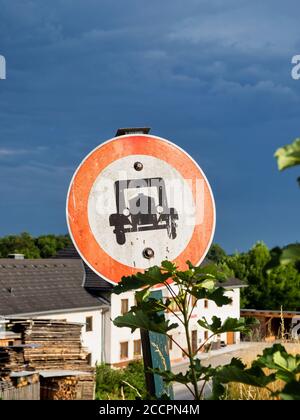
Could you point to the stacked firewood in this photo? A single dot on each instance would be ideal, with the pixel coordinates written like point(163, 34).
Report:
point(68, 388)
point(11, 359)
point(22, 381)
point(52, 345)
point(59, 388)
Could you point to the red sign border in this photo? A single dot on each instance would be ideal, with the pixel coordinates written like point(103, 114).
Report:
point(84, 177)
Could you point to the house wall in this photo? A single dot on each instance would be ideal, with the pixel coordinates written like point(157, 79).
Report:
point(91, 340)
point(115, 336)
point(105, 346)
point(119, 335)
point(200, 311)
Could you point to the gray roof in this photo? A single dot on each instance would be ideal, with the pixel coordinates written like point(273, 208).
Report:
point(95, 283)
point(44, 286)
point(92, 281)
point(54, 373)
point(232, 283)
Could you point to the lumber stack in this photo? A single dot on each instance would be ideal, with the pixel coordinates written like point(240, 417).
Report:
point(52, 345)
point(11, 360)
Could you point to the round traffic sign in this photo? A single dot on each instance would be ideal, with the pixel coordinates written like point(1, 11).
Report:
point(137, 200)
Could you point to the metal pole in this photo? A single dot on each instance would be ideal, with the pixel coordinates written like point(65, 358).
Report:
point(155, 346)
point(156, 355)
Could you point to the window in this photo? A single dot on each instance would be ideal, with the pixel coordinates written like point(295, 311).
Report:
point(194, 341)
point(124, 350)
point(205, 335)
point(124, 306)
point(89, 359)
point(205, 303)
point(194, 301)
point(137, 348)
point(170, 342)
point(89, 323)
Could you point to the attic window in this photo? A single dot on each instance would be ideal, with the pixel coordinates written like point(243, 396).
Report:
point(89, 324)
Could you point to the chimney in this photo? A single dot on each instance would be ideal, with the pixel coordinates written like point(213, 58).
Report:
point(16, 256)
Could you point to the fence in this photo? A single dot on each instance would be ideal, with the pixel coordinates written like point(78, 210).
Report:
point(29, 392)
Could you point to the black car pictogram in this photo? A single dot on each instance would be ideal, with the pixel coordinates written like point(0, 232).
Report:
point(141, 212)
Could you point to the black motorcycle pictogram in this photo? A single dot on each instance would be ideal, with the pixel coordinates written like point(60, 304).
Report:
point(141, 213)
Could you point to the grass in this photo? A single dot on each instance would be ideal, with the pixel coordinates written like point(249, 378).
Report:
point(236, 391)
point(121, 384)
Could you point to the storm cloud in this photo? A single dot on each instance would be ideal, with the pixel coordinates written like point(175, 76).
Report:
point(212, 76)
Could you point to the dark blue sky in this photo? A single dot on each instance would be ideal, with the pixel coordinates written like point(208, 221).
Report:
point(212, 76)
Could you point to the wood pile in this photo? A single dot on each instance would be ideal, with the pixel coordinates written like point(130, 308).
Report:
point(52, 345)
point(68, 388)
point(11, 360)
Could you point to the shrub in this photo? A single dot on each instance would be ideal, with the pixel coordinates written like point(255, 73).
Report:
point(120, 384)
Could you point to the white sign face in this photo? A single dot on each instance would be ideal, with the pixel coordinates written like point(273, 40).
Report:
point(130, 211)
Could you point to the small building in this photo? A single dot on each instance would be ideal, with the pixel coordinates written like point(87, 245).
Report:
point(123, 346)
point(274, 325)
point(53, 289)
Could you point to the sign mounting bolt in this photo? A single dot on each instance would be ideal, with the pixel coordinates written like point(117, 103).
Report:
point(138, 166)
point(148, 253)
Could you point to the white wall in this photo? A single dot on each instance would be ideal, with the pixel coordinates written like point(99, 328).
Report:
point(119, 335)
point(199, 312)
point(92, 339)
point(114, 335)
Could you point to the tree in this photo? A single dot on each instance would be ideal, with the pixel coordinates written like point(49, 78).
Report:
point(41, 247)
point(216, 254)
point(19, 244)
point(250, 268)
point(269, 285)
point(50, 244)
point(287, 157)
point(197, 283)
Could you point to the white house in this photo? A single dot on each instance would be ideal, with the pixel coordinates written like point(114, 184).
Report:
point(121, 345)
point(53, 289)
point(65, 288)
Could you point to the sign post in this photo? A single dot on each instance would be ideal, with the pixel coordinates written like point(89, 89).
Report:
point(133, 202)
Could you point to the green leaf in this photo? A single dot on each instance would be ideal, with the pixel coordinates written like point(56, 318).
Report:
point(276, 357)
point(140, 319)
point(169, 266)
point(291, 391)
point(169, 377)
point(229, 325)
point(213, 327)
point(237, 373)
point(216, 295)
point(288, 155)
point(152, 277)
point(218, 390)
point(208, 284)
point(280, 361)
point(142, 295)
point(202, 372)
